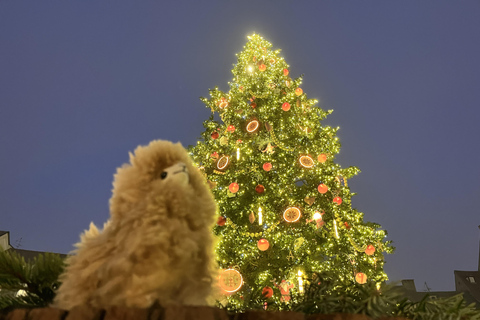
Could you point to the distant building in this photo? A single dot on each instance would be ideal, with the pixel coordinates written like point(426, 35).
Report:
point(466, 282)
point(28, 255)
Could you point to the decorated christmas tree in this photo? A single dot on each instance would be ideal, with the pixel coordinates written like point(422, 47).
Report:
point(285, 214)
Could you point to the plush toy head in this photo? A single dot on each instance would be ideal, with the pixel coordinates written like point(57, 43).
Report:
point(161, 168)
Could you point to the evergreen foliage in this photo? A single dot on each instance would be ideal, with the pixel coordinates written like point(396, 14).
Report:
point(26, 284)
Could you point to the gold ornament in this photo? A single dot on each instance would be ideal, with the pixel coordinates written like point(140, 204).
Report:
point(290, 256)
point(269, 149)
point(309, 200)
point(251, 217)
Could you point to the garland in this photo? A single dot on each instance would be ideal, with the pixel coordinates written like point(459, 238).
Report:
point(251, 234)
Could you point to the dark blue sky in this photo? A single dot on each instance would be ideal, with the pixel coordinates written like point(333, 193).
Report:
point(82, 83)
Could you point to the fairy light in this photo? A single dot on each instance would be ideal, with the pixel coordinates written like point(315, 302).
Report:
point(238, 153)
point(260, 216)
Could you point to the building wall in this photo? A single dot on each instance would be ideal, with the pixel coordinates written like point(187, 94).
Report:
point(5, 241)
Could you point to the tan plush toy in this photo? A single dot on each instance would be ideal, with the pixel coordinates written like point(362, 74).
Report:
point(157, 244)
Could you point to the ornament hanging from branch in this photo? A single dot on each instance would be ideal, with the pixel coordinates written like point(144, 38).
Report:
point(361, 278)
point(253, 126)
point(221, 221)
point(322, 157)
point(223, 163)
point(306, 161)
point(230, 280)
point(263, 244)
point(370, 250)
point(223, 103)
point(309, 200)
point(337, 200)
point(322, 188)
point(233, 187)
point(269, 149)
point(285, 287)
point(251, 217)
point(260, 189)
point(267, 166)
point(292, 214)
point(267, 292)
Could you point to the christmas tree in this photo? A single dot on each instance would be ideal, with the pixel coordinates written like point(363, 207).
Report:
point(285, 211)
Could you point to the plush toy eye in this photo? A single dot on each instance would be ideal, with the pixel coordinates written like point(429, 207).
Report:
point(163, 175)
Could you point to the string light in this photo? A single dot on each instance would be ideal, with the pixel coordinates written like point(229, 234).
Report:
point(260, 216)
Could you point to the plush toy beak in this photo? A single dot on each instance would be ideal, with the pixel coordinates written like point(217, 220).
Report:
point(180, 172)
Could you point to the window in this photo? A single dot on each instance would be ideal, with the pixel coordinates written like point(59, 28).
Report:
point(471, 279)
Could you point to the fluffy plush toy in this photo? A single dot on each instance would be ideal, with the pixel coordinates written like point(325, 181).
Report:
point(157, 244)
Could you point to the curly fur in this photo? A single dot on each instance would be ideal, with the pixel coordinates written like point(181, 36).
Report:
point(157, 244)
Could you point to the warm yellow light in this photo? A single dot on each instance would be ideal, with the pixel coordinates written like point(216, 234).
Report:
point(300, 281)
point(260, 216)
point(317, 216)
point(250, 69)
point(238, 153)
point(336, 229)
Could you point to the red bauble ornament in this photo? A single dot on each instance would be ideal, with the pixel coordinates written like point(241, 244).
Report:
point(253, 105)
point(285, 72)
point(214, 135)
point(267, 292)
point(262, 67)
point(286, 106)
point(214, 155)
point(221, 221)
point(231, 128)
point(267, 166)
point(260, 189)
point(298, 91)
point(337, 200)
point(322, 158)
point(347, 226)
point(263, 244)
point(322, 188)
point(370, 250)
point(233, 187)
